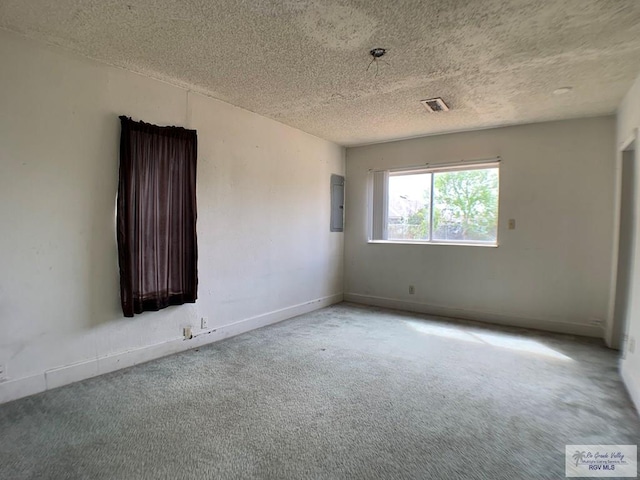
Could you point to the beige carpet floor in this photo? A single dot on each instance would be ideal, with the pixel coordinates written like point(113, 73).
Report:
point(347, 392)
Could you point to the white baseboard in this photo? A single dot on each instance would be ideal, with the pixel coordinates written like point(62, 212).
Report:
point(633, 387)
point(57, 377)
point(487, 317)
point(22, 387)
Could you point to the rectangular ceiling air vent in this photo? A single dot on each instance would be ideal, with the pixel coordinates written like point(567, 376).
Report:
point(434, 105)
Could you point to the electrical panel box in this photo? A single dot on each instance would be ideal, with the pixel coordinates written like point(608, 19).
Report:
point(337, 203)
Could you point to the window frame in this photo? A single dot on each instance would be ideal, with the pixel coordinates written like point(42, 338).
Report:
point(378, 201)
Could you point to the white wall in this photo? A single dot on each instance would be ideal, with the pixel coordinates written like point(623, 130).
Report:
point(265, 250)
point(628, 125)
point(628, 114)
point(552, 272)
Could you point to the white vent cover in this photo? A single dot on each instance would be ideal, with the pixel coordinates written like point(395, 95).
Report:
point(434, 105)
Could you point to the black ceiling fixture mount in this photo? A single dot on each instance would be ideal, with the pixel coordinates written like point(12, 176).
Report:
point(376, 55)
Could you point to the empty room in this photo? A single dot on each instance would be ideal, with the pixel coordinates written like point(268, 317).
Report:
point(303, 239)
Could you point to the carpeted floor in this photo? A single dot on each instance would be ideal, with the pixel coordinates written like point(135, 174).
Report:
point(347, 392)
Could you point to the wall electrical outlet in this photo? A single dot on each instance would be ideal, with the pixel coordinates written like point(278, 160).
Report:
point(204, 323)
point(512, 224)
point(412, 290)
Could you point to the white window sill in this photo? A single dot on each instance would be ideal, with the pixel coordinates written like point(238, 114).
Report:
point(450, 244)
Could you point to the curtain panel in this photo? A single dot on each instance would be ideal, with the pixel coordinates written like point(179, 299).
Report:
point(156, 217)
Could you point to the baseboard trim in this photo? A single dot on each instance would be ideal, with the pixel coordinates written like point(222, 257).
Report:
point(630, 383)
point(57, 377)
point(486, 317)
point(22, 387)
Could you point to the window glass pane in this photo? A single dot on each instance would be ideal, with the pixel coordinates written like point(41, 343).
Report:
point(465, 205)
point(408, 213)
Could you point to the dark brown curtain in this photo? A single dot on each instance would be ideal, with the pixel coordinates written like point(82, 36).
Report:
point(156, 217)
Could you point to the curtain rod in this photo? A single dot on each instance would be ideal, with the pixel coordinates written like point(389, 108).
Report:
point(426, 166)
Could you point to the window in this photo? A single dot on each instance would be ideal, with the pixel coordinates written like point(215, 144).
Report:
point(156, 217)
point(444, 204)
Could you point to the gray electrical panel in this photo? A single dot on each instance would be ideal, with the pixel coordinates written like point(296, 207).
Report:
point(337, 203)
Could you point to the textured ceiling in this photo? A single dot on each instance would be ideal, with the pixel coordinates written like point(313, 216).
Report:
point(304, 62)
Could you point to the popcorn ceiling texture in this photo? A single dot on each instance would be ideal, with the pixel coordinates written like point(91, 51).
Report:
point(304, 63)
